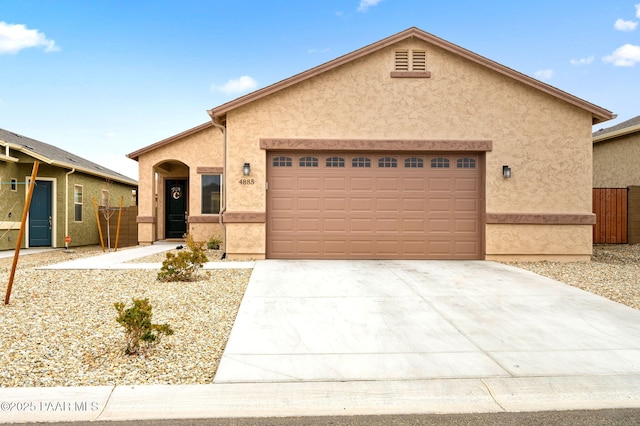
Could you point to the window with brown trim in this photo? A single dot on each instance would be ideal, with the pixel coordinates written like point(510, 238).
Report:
point(282, 161)
point(440, 163)
point(335, 162)
point(308, 161)
point(388, 162)
point(361, 162)
point(466, 163)
point(413, 163)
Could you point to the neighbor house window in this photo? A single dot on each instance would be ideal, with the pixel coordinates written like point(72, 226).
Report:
point(104, 201)
point(211, 190)
point(77, 203)
point(14, 184)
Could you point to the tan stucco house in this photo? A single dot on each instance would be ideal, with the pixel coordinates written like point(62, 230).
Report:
point(409, 148)
point(616, 155)
point(61, 213)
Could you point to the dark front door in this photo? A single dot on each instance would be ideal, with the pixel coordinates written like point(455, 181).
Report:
point(176, 208)
point(40, 219)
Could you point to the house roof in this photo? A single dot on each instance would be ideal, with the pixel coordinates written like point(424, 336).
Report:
point(50, 154)
point(626, 127)
point(136, 154)
point(598, 114)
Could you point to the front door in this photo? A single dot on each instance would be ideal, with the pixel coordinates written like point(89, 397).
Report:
point(40, 219)
point(176, 208)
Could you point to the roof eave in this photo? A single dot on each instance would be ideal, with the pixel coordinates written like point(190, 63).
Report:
point(616, 133)
point(136, 154)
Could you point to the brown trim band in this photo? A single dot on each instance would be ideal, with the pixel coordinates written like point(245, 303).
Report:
point(374, 145)
point(410, 74)
point(541, 218)
point(212, 170)
point(145, 219)
point(214, 218)
point(244, 217)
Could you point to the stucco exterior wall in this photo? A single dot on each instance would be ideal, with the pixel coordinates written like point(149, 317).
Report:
point(615, 162)
point(179, 159)
point(546, 142)
point(82, 233)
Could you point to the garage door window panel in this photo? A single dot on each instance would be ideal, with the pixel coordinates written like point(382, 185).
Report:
point(387, 162)
point(361, 162)
point(308, 161)
point(466, 163)
point(335, 162)
point(440, 163)
point(282, 161)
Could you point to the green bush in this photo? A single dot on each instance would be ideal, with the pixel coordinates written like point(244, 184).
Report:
point(186, 264)
point(138, 328)
point(214, 243)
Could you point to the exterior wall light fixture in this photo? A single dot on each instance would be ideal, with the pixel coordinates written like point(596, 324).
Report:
point(506, 172)
point(246, 169)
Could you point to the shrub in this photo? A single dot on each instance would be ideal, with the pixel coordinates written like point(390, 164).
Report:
point(185, 265)
point(214, 243)
point(138, 328)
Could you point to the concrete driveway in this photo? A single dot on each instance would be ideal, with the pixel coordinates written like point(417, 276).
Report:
point(325, 321)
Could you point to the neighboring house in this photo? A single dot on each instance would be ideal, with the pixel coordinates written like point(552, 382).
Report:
point(616, 155)
point(616, 183)
point(398, 150)
point(62, 202)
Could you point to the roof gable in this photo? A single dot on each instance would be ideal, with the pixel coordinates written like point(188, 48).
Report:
point(598, 114)
point(58, 157)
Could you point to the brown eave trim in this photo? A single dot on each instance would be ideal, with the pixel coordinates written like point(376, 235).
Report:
point(214, 218)
point(541, 218)
point(374, 145)
point(599, 114)
point(136, 154)
point(145, 219)
point(244, 217)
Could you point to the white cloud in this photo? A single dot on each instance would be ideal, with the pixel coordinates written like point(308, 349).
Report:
point(544, 74)
point(583, 61)
point(313, 51)
point(623, 25)
point(15, 37)
point(365, 4)
point(237, 85)
point(624, 56)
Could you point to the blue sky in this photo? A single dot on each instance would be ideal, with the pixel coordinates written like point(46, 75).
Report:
point(102, 78)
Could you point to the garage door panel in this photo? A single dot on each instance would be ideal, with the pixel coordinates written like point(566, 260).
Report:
point(374, 212)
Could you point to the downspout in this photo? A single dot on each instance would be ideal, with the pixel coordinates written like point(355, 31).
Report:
point(66, 207)
point(223, 204)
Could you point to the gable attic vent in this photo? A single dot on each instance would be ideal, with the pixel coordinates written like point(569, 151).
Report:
point(419, 61)
point(402, 60)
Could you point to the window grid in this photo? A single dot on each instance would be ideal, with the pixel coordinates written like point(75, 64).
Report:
point(308, 161)
point(77, 203)
point(388, 162)
point(361, 162)
point(466, 163)
point(282, 161)
point(413, 163)
point(439, 163)
point(335, 162)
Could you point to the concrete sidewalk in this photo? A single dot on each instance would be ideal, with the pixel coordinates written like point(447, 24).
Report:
point(388, 337)
point(118, 259)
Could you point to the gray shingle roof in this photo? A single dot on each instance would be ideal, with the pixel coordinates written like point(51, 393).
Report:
point(60, 157)
point(635, 121)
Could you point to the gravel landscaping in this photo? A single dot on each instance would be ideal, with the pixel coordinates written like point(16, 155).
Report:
point(60, 328)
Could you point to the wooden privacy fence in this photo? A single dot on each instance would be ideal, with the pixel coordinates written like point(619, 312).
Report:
point(610, 208)
point(128, 228)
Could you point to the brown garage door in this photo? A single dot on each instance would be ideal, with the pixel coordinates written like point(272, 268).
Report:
point(373, 206)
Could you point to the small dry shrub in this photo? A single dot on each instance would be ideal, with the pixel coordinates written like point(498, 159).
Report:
point(138, 329)
point(185, 265)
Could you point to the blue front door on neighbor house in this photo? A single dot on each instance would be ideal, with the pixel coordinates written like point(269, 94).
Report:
point(40, 219)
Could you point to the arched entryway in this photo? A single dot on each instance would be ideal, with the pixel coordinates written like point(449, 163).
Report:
point(172, 180)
